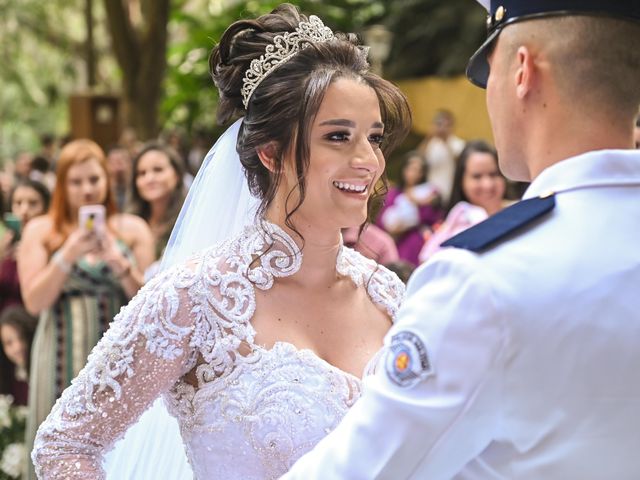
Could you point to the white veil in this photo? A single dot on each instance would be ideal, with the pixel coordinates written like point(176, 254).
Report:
point(217, 206)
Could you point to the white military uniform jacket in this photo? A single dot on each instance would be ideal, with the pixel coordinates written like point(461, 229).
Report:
point(525, 358)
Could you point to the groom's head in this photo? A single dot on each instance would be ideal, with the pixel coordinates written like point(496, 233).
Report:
point(553, 58)
point(504, 13)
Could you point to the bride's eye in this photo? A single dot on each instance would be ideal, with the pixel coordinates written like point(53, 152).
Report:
point(338, 136)
point(376, 138)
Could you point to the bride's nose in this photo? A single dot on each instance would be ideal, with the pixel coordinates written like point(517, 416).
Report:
point(366, 157)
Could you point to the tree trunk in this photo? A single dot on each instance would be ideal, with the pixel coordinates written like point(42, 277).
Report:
point(141, 54)
point(90, 48)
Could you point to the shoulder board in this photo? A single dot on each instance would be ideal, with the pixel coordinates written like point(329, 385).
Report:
point(498, 226)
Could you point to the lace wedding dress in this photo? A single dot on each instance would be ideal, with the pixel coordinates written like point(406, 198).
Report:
point(250, 412)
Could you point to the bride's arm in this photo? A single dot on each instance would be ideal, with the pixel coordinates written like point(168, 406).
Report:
point(141, 356)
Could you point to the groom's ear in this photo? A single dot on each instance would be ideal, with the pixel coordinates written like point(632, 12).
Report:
point(268, 155)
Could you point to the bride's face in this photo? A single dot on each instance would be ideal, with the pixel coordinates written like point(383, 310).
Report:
point(345, 157)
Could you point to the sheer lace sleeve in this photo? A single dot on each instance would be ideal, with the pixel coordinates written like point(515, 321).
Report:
point(146, 349)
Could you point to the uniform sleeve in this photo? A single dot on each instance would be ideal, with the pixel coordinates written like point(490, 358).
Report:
point(144, 352)
point(434, 402)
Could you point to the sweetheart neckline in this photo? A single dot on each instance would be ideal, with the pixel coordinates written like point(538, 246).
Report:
point(310, 353)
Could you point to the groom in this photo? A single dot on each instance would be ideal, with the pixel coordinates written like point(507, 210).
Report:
point(516, 355)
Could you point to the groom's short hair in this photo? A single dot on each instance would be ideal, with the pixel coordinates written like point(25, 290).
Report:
point(593, 58)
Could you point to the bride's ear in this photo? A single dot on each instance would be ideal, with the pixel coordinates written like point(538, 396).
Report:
point(268, 155)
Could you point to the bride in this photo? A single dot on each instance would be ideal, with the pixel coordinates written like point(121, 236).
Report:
point(258, 343)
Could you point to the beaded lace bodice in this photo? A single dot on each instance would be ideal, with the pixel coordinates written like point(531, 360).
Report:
point(250, 412)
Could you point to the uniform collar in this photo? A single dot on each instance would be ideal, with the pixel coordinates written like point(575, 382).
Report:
point(593, 169)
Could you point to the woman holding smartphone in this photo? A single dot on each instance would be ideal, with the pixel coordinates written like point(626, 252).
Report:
point(76, 276)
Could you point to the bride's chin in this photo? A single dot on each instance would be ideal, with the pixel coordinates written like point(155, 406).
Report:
point(353, 220)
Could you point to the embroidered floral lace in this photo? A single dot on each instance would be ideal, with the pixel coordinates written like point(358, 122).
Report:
point(251, 415)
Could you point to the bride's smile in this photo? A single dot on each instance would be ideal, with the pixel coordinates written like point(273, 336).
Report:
point(345, 161)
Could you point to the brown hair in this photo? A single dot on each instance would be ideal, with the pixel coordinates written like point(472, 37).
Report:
point(408, 157)
point(473, 146)
point(34, 185)
point(74, 153)
point(25, 324)
point(139, 206)
point(283, 106)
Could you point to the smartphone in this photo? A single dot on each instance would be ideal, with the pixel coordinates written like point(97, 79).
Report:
point(13, 223)
point(93, 218)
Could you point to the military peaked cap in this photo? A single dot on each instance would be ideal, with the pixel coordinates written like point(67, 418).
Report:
point(506, 12)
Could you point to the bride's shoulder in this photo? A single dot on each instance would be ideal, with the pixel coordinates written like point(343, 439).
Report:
point(205, 273)
point(371, 270)
point(228, 256)
point(384, 286)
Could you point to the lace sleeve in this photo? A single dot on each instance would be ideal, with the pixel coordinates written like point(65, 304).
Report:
point(144, 352)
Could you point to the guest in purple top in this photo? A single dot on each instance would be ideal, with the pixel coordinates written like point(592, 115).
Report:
point(411, 208)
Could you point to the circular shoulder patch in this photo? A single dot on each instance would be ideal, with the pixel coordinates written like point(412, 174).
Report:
point(407, 361)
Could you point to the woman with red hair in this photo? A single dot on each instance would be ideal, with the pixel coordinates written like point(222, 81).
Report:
point(75, 277)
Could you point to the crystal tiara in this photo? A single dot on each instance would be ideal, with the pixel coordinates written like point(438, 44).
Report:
point(281, 50)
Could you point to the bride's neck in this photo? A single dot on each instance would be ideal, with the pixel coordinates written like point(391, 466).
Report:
point(320, 249)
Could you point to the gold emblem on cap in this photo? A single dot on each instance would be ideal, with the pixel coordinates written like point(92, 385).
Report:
point(500, 13)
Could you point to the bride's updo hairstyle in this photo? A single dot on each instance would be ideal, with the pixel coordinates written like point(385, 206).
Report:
point(283, 106)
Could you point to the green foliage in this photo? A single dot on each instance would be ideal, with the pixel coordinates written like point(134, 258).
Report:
point(41, 64)
point(42, 54)
point(33, 72)
point(432, 37)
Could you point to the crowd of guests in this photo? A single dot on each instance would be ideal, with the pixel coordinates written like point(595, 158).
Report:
point(61, 283)
point(445, 186)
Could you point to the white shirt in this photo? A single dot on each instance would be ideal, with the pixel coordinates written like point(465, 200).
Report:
point(441, 156)
point(534, 350)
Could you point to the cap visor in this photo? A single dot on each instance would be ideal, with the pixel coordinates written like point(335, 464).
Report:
point(478, 66)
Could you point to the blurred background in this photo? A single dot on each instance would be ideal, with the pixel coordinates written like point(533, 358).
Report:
point(100, 68)
point(115, 96)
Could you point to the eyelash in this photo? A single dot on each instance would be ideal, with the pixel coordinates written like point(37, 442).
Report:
point(376, 138)
point(379, 138)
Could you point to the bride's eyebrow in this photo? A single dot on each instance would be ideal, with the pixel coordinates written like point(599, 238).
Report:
point(343, 122)
point(340, 122)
